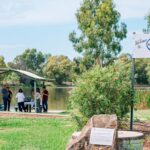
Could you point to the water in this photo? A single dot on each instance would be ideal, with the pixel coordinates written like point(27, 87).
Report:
point(58, 97)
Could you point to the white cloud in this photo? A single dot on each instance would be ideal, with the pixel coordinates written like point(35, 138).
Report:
point(133, 8)
point(14, 12)
point(28, 12)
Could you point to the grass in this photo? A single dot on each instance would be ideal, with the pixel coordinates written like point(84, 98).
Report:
point(142, 115)
point(41, 134)
point(142, 98)
point(34, 134)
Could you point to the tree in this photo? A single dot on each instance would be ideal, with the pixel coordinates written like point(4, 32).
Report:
point(101, 30)
point(104, 90)
point(2, 62)
point(148, 21)
point(30, 60)
point(59, 68)
point(11, 78)
point(142, 67)
point(2, 65)
point(82, 64)
point(141, 75)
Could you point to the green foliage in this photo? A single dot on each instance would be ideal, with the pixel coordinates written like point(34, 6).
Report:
point(30, 60)
point(11, 78)
point(142, 68)
point(101, 91)
point(82, 64)
point(142, 98)
point(101, 30)
point(148, 21)
point(148, 102)
point(141, 73)
point(2, 65)
point(59, 68)
point(2, 62)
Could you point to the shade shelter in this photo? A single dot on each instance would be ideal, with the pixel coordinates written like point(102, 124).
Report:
point(27, 75)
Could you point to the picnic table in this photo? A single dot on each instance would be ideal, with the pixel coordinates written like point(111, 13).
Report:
point(29, 105)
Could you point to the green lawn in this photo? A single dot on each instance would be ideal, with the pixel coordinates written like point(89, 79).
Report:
point(142, 114)
point(41, 134)
point(34, 134)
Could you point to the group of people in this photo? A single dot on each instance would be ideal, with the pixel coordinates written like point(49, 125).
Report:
point(41, 99)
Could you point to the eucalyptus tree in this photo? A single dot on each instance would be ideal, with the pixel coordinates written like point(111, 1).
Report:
point(100, 30)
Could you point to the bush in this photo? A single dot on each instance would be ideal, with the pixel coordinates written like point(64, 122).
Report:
point(101, 91)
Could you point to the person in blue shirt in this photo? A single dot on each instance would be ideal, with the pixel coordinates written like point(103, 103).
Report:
point(5, 96)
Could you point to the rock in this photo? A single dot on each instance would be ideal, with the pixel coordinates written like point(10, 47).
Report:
point(80, 141)
point(75, 135)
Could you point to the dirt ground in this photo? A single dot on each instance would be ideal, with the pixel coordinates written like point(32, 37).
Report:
point(29, 115)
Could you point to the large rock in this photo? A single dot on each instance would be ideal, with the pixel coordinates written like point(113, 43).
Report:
point(80, 141)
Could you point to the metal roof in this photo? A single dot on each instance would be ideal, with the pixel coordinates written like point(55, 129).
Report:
point(25, 73)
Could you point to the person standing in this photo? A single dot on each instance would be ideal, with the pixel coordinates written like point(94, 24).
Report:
point(9, 97)
point(38, 100)
point(20, 99)
point(45, 99)
point(5, 97)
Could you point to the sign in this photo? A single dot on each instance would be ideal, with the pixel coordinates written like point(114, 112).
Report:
point(102, 136)
point(141, 46)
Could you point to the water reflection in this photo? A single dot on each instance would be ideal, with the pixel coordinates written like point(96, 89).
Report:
point(58, 97)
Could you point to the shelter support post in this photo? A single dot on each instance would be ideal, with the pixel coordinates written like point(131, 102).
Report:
point(132, 100)
point(35, 96)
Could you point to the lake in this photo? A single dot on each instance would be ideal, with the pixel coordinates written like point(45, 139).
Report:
point(58, 97)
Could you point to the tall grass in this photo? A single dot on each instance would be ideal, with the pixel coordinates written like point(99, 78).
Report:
point(142, 99)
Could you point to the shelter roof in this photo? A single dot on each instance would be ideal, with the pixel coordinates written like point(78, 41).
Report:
point(26, 74)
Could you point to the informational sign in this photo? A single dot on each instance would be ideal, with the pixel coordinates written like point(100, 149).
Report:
point(102, 136)
point(141, 46)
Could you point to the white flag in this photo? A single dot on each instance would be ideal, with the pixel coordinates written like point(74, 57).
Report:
point(141, 46)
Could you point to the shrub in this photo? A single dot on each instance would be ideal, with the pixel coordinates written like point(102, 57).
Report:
point(101, 91)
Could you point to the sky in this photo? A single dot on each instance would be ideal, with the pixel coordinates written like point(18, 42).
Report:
point(46, 24)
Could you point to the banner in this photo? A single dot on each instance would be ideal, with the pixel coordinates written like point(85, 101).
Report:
point(141, 46)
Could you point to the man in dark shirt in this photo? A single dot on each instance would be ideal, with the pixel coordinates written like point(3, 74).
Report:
point(9, 97)
point(5, 96)
point(45, 99)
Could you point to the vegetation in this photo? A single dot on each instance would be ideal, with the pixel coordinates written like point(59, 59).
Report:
point(142, 68)
point(142, 99)
point(27, 134)
point(101, 91)
point(101, 30)
point(142, 115)
point(2, 65)
point(62, 69)
point(30, 60)
point(148, 21)
point(11, 78)
point(59, 68)
point(2, 62)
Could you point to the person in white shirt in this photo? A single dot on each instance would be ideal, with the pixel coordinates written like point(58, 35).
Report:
point(38, 100)
point(20, 99)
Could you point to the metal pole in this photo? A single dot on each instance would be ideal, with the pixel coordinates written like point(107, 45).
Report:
point(35, 96)
point(132, 101)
